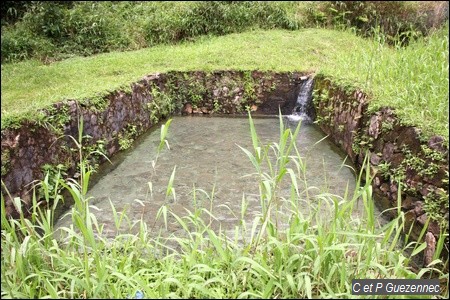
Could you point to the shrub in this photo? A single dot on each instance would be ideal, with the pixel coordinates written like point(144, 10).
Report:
point(57, 30)
point(19, 43)
point(399, 20)
point(91, 28)
point(183, 22)
point(12, 11)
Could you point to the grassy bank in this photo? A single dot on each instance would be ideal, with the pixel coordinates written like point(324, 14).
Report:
point(313, 257)
point(38, 85)
point(414, 80)
point(404, 78)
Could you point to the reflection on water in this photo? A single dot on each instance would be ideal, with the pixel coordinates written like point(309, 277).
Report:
point(208, 162)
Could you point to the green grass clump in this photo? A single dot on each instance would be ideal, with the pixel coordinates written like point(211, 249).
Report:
point(315, 256)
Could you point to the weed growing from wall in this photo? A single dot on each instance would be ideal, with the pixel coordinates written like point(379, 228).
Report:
point(56, 118)
point(161, 104)
point(127, 136)
point(249, 90)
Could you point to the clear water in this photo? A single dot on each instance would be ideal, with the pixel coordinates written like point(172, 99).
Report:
point(206, 155)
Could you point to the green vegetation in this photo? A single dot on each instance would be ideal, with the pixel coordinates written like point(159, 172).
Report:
point(79, 78)
point(400, 21)
point(402, 62)
point(162, 105)
point(56, 30)
point(313, 257)
point(127, 137)
point(404, 78)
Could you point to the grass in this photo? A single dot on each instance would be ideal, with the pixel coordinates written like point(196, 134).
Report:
point(403, 78)
point(83, 77)
point(406, 78)
point(313, 257)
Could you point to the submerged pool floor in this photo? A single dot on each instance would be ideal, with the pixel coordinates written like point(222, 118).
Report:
point(205, 154)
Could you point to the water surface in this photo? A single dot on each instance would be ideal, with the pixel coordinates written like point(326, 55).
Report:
point(205, 153)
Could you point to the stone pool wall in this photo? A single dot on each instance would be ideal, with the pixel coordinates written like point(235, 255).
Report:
point(111, 122)
point(396, 153)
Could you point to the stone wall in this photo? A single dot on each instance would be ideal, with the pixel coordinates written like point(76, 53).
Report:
point(398, 154)
point(111, 122)
point(339, 113)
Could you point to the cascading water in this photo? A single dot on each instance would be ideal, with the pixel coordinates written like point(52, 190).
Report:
point(304, 109)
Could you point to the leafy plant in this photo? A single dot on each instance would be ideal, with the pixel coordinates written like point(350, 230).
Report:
point(161, 105)
point(50, 187)
point(127, 137)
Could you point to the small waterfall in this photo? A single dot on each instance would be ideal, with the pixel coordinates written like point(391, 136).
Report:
point(304, 108)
